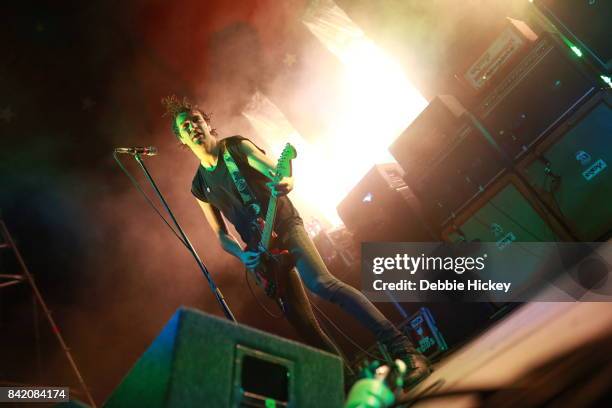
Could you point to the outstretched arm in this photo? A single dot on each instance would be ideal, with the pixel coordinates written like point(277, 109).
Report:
point(228, 242)
point(267, 167)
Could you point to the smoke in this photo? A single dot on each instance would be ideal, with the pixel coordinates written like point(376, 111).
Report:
point(142, 272)
point(128, 273)
point(433, 38)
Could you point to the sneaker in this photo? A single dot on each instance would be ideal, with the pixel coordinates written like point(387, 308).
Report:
point(418, 366)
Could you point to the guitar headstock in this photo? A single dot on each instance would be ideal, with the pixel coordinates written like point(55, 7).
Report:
point(283, 167)
point(288, 153)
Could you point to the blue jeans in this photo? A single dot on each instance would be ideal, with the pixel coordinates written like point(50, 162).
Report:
point(322, 283)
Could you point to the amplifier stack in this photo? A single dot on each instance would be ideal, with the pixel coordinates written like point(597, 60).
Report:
point(537, 95)
point(447, 159)
point(530, 158)
point(571, 170)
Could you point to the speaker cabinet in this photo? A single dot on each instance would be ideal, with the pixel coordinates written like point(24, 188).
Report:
point(459, 176)
point(586, 22)
point(535, 97)
point(572, 169)
point(428, 136)
point(447, 160)
point(203, 361)
point(382, 208)
point(506, 212)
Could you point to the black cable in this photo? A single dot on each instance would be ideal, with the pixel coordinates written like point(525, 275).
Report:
point(339, 330)
point(558, 218)
point(552, 187)
point(150, 202)
point(246, 278)
point(135, 183)
point(183, 237)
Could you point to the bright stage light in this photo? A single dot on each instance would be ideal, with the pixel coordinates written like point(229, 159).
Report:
point(273, 126)
point(376, 105)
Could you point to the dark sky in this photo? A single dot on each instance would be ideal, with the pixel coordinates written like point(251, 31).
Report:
point(79, 78)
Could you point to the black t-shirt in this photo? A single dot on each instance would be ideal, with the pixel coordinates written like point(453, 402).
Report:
point(217, 188)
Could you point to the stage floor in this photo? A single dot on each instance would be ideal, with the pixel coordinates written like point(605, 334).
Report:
point(532, 334)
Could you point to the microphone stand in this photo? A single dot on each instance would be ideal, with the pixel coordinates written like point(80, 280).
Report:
point(217, 292)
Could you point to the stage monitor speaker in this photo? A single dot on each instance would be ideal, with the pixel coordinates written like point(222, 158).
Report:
point(203, 361)
point(572, 169)
point(586, 22)
point(382, 208)
point(537, 95)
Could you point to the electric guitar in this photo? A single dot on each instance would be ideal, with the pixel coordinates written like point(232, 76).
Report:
point(274, 262)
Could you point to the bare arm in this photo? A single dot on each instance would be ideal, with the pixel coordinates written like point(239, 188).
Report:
point(228, 242)
point(265, 166)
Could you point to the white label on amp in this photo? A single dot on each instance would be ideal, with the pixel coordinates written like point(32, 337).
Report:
point(594, 170)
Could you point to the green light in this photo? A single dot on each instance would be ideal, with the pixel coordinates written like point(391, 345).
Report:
point(607, 80)
point(572, 47)
point(270, 403)
point(576, 50)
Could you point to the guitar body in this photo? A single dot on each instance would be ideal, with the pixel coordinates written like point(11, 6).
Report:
point(271, 273)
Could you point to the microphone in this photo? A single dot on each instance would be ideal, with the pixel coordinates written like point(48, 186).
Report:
point(144, 151)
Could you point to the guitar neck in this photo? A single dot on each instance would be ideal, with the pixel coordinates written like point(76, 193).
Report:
point(267, 232)
point(283, 169)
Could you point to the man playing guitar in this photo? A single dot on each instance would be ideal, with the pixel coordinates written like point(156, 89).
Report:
point(215, 189)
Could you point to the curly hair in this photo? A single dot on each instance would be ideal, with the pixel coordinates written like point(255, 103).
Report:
point(175, 106)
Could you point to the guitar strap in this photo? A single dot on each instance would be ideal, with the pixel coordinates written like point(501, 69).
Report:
point(241, 184)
